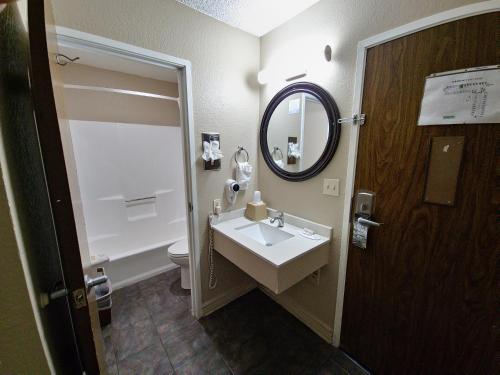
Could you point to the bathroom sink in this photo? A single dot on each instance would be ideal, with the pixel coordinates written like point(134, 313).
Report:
point(276, 257)
point(264, 234)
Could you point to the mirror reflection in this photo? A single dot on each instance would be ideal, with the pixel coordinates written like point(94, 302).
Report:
point(297, 133)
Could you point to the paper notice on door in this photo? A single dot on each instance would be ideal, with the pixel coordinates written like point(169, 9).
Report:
point(462, 97)
point(359, 235)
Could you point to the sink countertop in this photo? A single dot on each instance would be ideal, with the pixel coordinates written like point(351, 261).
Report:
point(282, 252)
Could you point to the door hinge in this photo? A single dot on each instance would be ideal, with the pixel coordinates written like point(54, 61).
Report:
point(79, 298)
point(355, 119)
point(190, 207)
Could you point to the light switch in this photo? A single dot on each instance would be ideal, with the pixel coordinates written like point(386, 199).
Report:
point(331, 186)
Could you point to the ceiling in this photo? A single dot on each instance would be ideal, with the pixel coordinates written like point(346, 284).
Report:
point(256, 17)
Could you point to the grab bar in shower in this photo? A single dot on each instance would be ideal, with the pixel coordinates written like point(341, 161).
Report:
point(140, 199)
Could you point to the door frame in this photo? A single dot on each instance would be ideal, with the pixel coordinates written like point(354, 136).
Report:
point(362, 48)
point(107, 46)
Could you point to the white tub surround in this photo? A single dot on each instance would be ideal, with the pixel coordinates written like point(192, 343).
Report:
point(133, 195)
point(275, 257)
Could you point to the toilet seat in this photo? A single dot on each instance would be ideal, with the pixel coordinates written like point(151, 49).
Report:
point(179, 249)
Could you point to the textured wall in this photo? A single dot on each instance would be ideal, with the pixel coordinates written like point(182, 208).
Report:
point(225, 100)
point(300, 43)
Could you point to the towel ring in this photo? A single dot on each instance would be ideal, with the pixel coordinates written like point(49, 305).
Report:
point(237, 153)
point(276, 149)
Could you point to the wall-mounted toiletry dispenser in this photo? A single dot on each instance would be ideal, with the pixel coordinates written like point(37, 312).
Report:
point(212, 154)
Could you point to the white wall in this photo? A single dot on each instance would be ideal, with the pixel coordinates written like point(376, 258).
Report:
point(299, 43)
point(226, 98)
point(120, 162)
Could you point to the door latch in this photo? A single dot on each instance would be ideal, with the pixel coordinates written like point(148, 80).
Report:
point(79, 298)
point(363, 210)
point(46, 298)
point(355, 120)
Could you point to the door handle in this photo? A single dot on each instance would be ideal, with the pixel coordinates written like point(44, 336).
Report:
point(369, 223)
point(91, 282)
point(364, 207)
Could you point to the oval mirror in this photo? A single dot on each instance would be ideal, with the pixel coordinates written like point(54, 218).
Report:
point(299, 133)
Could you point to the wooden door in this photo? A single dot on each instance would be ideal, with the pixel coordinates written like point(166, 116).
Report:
point(423, 298)
point(69, 163)
point(27, 179)
point(35, 161)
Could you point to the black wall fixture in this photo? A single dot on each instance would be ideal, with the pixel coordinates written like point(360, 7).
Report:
point(332, 142)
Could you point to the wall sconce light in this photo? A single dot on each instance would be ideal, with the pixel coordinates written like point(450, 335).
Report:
point(292, 76)
point(263, 77)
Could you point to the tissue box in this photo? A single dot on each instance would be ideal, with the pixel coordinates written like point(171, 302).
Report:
point(256, 211)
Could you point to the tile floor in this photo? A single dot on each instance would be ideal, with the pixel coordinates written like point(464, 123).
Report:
point(153, 332)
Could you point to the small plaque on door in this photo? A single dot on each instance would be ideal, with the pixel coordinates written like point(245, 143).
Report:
point(443, 169)
point(359, 235)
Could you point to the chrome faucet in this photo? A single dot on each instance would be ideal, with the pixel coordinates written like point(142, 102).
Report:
point(280, 216)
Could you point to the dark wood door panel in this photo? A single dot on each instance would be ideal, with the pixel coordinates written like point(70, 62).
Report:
point(61, 214)
point(421, 298)
point(18, 128)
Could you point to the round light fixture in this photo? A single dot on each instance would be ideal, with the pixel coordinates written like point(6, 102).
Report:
point(263, 77)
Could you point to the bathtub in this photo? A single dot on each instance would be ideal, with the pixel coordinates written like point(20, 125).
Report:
point(131, 181)
point(135, 255)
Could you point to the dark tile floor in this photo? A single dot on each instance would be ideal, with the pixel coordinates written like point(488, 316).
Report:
point(153, 332)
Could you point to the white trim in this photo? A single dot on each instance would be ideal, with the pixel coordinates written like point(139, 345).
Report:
point(92, 42)
point(431, 21)
point(143, 276)
point(363, 46)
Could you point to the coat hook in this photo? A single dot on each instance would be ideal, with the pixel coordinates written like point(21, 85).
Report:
point(63, 63)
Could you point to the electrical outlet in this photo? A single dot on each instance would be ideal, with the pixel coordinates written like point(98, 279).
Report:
point(217, 205)
point(331, 186)
point(314, 277)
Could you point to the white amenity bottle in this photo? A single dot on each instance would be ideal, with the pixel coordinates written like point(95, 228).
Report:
point(257, 197)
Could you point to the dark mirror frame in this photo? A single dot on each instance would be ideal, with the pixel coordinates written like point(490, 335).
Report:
point(333, 134)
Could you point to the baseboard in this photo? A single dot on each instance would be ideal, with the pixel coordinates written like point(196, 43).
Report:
point(222, 300)
point(143, 276)
point(315, 324)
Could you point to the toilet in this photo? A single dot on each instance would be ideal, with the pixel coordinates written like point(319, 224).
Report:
point(179, 254)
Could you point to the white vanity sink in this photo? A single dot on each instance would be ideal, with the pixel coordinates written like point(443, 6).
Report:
point(264, 233)
point(275, 257)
